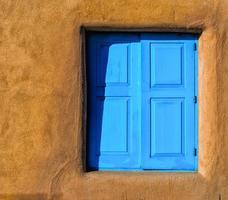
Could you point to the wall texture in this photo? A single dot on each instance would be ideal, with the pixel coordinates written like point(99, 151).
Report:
point(41, 98)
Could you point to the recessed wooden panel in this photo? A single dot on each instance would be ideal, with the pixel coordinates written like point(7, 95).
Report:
point(112, 124)
point(167, 131)
point(166, 64)
point(112, 64)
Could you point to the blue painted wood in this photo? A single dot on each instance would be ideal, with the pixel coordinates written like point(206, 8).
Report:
point(141, 110)
point(114, 101)
point(168, 118)
point(196, 104)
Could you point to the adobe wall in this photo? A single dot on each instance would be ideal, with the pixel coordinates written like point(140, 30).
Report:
point(41, 95)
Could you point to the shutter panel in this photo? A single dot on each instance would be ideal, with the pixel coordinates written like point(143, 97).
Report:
point(168, 90)
point(113, 101)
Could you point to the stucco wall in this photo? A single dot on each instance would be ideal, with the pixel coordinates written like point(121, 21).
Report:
point(41, 93)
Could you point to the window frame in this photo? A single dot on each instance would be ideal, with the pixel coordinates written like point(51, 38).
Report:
point(84, 30)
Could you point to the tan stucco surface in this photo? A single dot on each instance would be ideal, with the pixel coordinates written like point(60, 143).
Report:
point(41, 93)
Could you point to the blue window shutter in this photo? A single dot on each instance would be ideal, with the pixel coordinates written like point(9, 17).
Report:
point(168, 92)
point(114, 101)
point(142, 113)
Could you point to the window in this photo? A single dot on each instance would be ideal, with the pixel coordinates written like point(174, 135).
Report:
point(142, 101)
